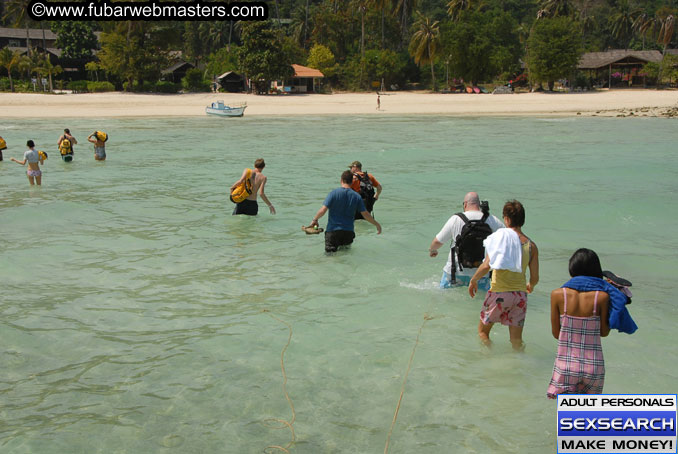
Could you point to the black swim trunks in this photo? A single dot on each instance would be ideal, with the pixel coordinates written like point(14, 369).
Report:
point(248, 207)
point(338, 238)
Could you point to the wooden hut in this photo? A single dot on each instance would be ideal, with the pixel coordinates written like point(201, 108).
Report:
point(177, 71)
point(232, 82)
point(627, 62)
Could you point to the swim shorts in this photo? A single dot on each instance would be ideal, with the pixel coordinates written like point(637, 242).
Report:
point(337, 238)
point(507, 308)
point(248, 207)
point(33, 173)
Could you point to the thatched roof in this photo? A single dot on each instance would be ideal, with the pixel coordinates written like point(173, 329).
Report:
point(598, 60)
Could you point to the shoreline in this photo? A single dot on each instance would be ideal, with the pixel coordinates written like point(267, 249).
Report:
point(604, 103)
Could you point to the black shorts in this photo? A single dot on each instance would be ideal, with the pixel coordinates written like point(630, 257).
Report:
point(338, 238)
point(248, 207)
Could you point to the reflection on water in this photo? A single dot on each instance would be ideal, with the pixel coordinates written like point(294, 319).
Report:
point(133, 307)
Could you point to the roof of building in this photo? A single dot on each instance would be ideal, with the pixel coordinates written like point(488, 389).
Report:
point(233, 75)
point(33, 33)
point(24, 50)
point(303, 71)
point(175, 67)
point(596, 60)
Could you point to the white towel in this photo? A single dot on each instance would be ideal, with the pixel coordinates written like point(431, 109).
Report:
point(505, 251)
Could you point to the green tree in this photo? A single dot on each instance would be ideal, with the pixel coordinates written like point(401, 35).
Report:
point(456, 7)
point(558, 8)
point(75, 38)
point(622, 22)
point(665, 36)
point(425, 43)
point(322, 59)
point(260, 57)
point(554, 49)
point(221, 61)
point(8, 60)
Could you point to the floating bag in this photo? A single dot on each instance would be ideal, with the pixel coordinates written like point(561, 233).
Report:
point(65, 147)
point(101, 135)
point(3, 144)
point(243, 190)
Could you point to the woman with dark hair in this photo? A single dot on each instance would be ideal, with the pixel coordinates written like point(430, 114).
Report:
point(33, 158)
point(508, 253)
point(578, 320)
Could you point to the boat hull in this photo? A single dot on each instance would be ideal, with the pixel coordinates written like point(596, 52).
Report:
point(226, 111)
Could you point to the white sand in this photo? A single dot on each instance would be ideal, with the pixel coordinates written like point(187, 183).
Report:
point(602, 103)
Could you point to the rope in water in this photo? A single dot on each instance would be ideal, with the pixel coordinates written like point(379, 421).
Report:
point(402, 389)
point(283, 422)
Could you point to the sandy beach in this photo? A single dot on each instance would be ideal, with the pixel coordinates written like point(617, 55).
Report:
point(637, 102)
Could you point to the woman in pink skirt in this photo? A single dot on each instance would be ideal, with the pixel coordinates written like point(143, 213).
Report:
point(578, 321)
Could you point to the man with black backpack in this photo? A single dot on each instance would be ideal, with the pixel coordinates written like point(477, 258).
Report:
point(467, 230)
point(364, 184)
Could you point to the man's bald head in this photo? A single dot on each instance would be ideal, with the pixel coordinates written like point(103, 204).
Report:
point(472, 201)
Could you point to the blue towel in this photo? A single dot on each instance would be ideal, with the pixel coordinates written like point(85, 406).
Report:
point(619, 316)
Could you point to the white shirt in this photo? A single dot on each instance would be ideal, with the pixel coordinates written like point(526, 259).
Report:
point(32, 156)
point(452, 229)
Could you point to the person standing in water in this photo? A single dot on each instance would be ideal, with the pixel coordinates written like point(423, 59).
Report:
point(66, 142)
point(33, 158)
point(99, 146)
point(250, 206)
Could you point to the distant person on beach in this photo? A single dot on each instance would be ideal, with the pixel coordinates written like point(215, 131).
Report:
point(378, 101)
point(250, 206)
point(364, 183)
point(33, 158)
point(470, 244)
point(342, 203)
point(509, 253)
point(66, 142)
point(99, 145)
point(578, 320)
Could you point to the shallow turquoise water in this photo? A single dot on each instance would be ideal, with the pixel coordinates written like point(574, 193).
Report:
point(132, 310)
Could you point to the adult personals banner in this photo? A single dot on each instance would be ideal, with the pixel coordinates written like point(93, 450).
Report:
point(617, 423)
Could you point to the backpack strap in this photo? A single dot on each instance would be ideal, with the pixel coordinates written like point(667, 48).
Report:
point(462, 216)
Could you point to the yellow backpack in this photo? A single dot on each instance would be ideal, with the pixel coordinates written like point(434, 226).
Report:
point(3, 144)
point(101, 136)
point(243, 190)
point(42, 154)
point(65, 147)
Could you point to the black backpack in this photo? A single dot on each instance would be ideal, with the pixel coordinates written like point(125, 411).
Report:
point(469, 243)
point(366, 190)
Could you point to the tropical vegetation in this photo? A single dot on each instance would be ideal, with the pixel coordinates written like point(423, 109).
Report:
point(357, 44)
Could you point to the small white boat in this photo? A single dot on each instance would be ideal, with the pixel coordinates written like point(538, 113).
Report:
point(219, 108)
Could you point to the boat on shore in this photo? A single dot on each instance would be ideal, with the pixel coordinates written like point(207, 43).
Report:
point(220, 109)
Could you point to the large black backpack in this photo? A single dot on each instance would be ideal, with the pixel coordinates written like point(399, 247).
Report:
point(366, 190)
point(469, 243)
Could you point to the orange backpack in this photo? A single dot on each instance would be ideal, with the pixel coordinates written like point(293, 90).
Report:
point(243, 190)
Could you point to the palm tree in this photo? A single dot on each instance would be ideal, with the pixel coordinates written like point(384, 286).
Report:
point(403, 7)
point(424, 46)
point(380, 5)
point(555, 8)
point(622, 22)
point(9, 59)
point(455, 8)
point(44, 67)
point(644, 24)
point(17, 14)
point(665, 36)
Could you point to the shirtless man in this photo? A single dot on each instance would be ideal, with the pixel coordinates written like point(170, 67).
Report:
point(33, 158)
point(250, 206)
